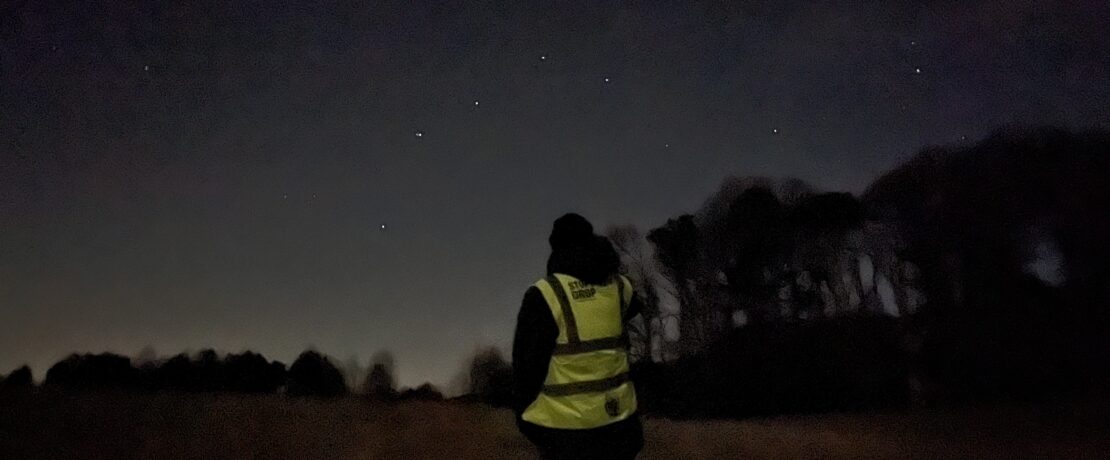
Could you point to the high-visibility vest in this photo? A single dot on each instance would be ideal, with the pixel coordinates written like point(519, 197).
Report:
point(587, 384)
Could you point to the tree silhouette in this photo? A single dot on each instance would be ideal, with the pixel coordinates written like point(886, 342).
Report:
point(206, 372)
point(425, 392)
point(19, 379)
point(354, 373)
point(250, 372)
point(177, 374)
point(755, 233)
point(312, 374)
point(380, 383)
point(677, 248)
point(88, 371)
point(491, 378)
point(639, 266)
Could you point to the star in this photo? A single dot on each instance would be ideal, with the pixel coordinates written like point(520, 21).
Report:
point(917, 70)
point(420, 134)
point(146, 68)
point(606, 79)
point(666, 146)
point(382, 227)
point(543, 57)
point(774, 130)
point(475, 102)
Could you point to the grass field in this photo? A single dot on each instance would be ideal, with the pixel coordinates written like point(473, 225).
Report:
point(177, 426)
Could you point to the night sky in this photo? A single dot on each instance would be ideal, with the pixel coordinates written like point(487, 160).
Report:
point(218, 174)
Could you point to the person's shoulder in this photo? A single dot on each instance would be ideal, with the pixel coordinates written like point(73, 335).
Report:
point(533, 293)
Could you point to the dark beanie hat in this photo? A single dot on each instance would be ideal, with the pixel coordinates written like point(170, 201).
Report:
point(571, 230)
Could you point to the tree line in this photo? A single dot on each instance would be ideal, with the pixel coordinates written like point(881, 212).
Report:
point(312, 374)
point(969, 273)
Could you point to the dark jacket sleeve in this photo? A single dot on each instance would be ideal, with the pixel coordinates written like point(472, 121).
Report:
point(533, 343)
point(635, 307)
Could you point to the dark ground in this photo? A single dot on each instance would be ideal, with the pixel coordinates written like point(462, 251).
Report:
point(46, 425)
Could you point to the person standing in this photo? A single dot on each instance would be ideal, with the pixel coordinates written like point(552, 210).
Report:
point(573, 395)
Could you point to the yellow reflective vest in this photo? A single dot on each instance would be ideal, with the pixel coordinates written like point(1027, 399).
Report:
point(587, 384)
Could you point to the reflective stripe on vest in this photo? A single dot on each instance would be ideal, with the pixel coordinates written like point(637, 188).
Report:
point(587, 382)
point(590, 386)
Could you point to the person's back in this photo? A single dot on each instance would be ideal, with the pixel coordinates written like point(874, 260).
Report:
point(574, 398)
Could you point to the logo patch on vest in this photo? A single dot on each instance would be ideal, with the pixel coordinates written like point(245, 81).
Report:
point(612, 406)
point(579, 291)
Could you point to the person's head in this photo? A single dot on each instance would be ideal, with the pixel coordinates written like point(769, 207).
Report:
point(578, 252)
point(569, 231)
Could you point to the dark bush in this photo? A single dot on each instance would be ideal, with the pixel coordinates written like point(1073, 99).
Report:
point(840, 364)
point(425, 392)
point(88, 371)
